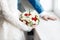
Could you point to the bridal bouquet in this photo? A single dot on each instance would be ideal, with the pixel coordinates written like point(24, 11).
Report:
point(30, 18)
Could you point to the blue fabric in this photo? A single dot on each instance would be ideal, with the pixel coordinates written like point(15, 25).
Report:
point(37, 6)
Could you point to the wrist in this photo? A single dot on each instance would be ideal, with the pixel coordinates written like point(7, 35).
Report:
point(44, 13)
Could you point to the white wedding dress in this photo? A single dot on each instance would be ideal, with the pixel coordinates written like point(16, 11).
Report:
point(10, 32)
point(10, 26)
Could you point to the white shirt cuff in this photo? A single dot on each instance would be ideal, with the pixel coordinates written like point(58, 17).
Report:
point(44, 13)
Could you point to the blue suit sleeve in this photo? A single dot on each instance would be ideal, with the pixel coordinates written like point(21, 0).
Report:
point(37, 6)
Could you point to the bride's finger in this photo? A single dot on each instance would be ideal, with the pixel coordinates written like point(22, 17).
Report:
point(52, 18)
point(45, 18)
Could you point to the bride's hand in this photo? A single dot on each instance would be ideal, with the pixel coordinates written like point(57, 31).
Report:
point(34, 26)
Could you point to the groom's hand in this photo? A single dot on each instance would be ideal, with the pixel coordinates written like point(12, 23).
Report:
point(46, 17)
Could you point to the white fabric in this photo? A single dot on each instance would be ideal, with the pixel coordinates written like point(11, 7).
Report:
point(11, 27)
